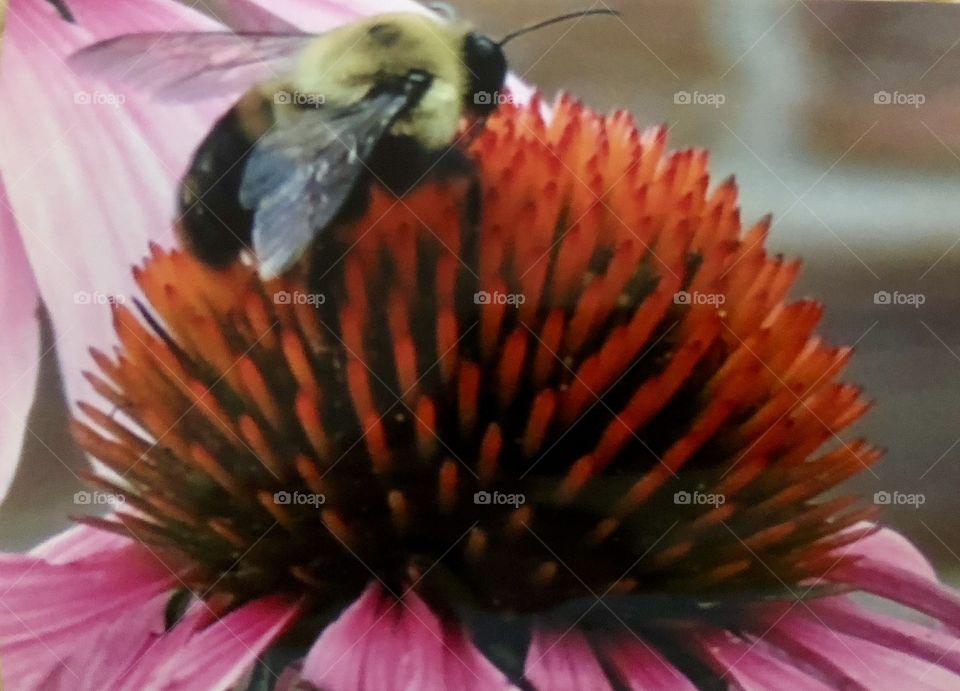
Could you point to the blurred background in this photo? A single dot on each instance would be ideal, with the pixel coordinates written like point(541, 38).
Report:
point(839, 118)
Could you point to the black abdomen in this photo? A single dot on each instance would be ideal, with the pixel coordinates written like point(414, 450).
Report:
point(214, 226)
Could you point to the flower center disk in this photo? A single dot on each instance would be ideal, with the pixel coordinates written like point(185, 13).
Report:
point(600, 389)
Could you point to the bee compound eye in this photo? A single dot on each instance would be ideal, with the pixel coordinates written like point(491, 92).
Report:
point(487, 66)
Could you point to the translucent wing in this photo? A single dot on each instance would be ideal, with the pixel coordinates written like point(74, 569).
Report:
point(299, 175)
point(190, 66)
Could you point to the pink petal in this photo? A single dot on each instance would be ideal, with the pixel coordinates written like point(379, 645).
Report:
point(201, 656)
point(639, 666)
point(89, 184)
point(20, 345)
point(118, 646)
point(78, 543)
point(889, 566)
point(751, 666)
point(385, 644)
point(840, 614)
point(890, 547)
point(869, 665)
point(776, 629)
point(90, 621)
point(53, 616)
point(564, 662)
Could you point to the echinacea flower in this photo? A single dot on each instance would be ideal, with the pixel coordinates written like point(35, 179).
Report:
point(576, 447)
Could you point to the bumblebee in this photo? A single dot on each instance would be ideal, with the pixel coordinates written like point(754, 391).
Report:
point(322, 118)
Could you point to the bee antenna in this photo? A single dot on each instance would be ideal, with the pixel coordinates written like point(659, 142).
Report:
point(557, 20)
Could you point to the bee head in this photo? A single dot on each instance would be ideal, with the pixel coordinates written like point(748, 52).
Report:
point(488, 69)
point(487, 63)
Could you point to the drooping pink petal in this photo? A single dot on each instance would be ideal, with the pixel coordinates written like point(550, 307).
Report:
point(865, 664)
point(114, 648)
point(640, 667)
point(90, 179)
point(889, 566)
point(844, 616)
point(200, 655)
point(887, 546)
point(78, 543)
point(831, 667)
point(564, 661)
point(85, 612)
point(750, 665)
point(20, 345)
point(381, 643)
point(53, 615)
